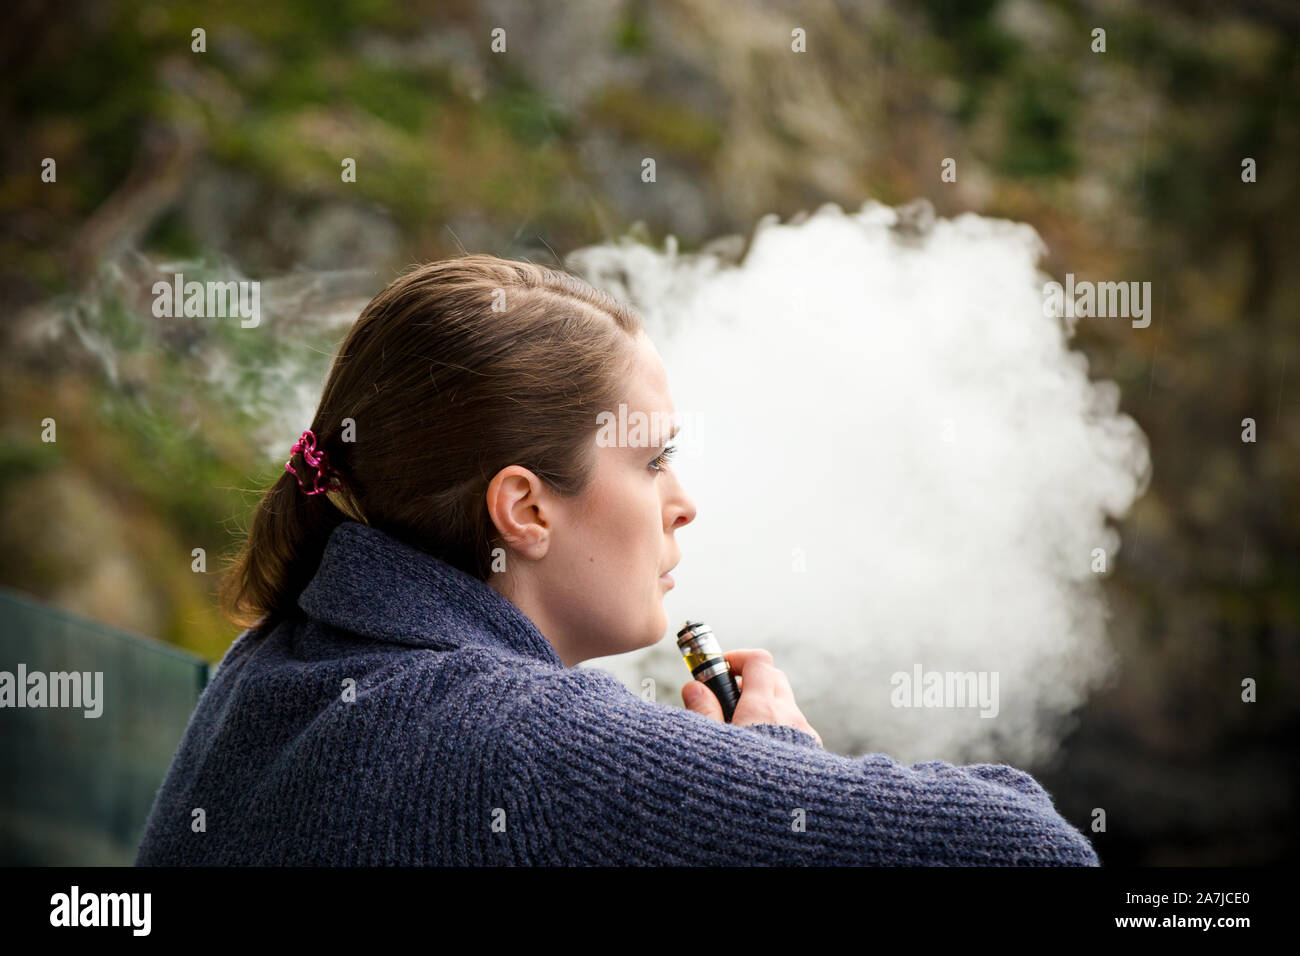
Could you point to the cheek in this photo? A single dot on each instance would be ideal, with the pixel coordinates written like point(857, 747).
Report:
point(630, 526)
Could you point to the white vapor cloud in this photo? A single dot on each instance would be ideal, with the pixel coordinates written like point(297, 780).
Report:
point(880, 396)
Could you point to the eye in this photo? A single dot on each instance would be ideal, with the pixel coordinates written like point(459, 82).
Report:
point(662, 458)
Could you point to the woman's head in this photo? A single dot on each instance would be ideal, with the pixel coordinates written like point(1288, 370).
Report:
point(462, 414)
point(587, 568)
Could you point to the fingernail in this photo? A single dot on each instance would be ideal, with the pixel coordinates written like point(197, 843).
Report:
point(691, 692)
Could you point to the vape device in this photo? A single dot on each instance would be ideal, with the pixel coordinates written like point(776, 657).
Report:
point(703, 656)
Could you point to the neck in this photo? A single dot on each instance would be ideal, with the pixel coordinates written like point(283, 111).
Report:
point(521, 595)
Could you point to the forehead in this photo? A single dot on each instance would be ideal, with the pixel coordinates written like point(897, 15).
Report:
point(647, 381)
point(646, 395)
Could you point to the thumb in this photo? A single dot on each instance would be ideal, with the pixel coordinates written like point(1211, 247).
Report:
point(701, 700)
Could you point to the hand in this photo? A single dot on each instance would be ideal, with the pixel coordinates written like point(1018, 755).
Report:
point(765, 694)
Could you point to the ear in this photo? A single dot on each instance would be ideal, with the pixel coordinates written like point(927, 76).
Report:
point(519, 507)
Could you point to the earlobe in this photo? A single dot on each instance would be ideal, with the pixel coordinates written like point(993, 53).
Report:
point(531, 539)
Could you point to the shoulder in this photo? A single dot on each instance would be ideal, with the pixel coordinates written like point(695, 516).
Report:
point(558, 714)
point(572, 684)
point(584, 698)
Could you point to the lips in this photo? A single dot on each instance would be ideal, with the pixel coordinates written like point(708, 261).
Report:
point(668, 578)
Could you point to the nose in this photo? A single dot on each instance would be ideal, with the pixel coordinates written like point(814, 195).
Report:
point(681, 510)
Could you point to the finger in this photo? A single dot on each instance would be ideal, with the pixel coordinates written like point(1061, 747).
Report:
point(742, 656)
point(698, 698)
point(759, 676)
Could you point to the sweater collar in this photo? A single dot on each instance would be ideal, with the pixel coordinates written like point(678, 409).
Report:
point(372, 584)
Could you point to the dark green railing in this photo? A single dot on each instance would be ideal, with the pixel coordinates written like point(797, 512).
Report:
point(74, 789)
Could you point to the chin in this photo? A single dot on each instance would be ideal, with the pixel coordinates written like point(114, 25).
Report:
point(661, 625)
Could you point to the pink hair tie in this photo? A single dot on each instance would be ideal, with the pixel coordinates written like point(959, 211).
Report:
point(306, 444)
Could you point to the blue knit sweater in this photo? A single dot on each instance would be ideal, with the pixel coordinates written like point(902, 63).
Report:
point(412, 715)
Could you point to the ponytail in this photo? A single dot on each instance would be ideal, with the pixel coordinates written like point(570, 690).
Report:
point(282, 551)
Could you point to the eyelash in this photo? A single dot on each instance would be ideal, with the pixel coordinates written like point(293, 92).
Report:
point(662, 458)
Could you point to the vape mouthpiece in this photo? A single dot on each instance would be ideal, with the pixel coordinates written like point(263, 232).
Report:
point(704, 657)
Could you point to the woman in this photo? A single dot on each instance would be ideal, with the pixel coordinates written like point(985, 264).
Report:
point(449, 539)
